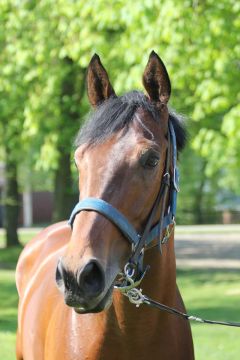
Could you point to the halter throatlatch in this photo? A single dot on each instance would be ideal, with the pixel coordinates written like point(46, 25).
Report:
point(166, 199)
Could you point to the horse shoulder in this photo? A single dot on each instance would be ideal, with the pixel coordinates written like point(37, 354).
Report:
point(36, 262)
point(38, 250)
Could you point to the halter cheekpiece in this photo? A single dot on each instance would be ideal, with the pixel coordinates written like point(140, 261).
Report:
point(167, 198)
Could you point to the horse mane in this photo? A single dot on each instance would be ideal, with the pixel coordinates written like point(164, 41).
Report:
point(117, 113)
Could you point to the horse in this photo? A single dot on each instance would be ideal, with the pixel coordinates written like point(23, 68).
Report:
point(69, 306)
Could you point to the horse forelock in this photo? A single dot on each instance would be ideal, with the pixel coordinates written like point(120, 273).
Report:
point(117, 113)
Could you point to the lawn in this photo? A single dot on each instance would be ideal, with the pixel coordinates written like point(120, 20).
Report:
point(209, 294)
point(8, 297)
point(8, 314)
point(214, 295)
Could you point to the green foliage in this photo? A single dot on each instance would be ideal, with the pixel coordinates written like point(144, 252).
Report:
point(47, 42)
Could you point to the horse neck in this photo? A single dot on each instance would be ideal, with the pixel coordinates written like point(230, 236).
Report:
point(159, 284)
point(160, 280)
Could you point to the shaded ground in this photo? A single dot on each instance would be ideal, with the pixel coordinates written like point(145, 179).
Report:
point(216, 247)
point(197, 246)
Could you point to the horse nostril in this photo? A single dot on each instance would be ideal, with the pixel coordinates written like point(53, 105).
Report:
point(59, 273)
point(91, 279)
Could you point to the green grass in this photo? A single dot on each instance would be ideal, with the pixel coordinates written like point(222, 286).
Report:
point(214, 295)
point(8, 296)
point(24, 237)
point(8, 314)
point(209, 294)
point(9, 257)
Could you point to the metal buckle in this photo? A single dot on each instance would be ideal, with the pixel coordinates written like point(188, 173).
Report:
point(166, 178)
point(168, 231)
point(134, 246)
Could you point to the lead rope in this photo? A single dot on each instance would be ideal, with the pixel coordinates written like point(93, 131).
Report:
point(136, 297)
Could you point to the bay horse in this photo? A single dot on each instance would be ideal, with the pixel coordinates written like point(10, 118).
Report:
point(68, 307)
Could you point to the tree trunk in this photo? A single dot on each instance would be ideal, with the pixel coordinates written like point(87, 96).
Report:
point(71, 96)
point(63, 187)
point(199, 218)
point(11, 202)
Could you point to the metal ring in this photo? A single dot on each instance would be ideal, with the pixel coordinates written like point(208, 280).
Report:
point(129, 270)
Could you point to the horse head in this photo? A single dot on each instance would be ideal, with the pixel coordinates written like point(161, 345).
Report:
point(120, 155)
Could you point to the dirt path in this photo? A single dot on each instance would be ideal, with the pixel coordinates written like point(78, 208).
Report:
point(204, 246)
point(208, 247)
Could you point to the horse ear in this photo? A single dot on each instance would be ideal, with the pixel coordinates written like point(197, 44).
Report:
point(99, 87)
point(156, 80)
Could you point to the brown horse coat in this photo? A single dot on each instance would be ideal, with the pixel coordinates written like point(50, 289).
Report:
point(48, 329)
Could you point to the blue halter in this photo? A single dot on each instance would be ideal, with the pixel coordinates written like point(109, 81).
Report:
point(121, 222)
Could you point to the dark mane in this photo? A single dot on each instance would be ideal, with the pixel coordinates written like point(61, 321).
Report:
point(117, 113)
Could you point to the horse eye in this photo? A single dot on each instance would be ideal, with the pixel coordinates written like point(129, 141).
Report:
point(152, 161)
point(149, 159)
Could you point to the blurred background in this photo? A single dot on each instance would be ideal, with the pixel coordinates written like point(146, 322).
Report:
point(45, 48)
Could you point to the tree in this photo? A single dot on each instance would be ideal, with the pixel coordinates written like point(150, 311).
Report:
point(11, 110)
point(48, 45)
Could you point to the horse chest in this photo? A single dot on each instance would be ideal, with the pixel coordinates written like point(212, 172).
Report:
point(96, 337)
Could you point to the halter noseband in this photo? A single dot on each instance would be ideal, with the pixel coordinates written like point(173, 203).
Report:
point(168, 191)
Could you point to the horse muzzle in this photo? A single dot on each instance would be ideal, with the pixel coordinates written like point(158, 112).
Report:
point(84, 290)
